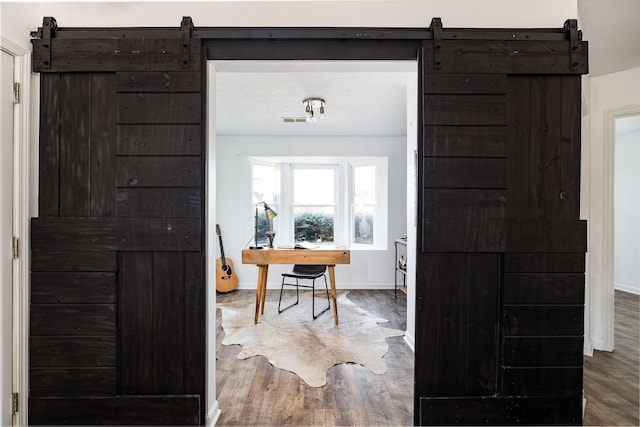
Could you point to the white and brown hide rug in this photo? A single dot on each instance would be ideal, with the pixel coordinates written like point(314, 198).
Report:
point(293, 341)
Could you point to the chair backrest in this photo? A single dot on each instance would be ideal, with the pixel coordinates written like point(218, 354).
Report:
point(309, 269)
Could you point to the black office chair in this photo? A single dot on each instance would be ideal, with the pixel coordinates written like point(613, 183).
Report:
point(310, 272)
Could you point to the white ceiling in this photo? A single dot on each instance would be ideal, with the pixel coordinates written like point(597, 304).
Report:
point(612, 28)
point(362, 98)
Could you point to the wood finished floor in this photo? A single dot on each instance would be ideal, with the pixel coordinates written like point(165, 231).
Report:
point(611, 380)
point(254, 393)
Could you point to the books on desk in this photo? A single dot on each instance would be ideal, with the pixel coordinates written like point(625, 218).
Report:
point(306, 245)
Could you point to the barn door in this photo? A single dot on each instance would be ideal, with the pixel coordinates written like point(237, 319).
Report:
point(500, 270)
point(117, 332)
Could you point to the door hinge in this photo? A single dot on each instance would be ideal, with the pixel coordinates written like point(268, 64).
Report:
point(14, 403)
point(16, 92)
point(16, 248)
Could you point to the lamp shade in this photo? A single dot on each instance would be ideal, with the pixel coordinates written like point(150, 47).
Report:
point(269, 213)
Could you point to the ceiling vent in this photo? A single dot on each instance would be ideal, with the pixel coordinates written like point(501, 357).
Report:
point(313, 109)
point(295, 119)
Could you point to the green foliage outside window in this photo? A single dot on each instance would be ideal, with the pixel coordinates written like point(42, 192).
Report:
point(313, 226)
point(263, 227)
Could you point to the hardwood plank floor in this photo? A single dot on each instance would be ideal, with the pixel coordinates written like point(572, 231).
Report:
point(252, 392)
point(611, 380)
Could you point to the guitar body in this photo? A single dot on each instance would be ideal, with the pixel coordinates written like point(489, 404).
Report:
point(226, 279)
point(225, 282)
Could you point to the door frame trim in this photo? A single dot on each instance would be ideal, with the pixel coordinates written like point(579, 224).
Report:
point(23, 208)
point(608, 250)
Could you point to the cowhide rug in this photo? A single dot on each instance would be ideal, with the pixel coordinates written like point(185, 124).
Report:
point(293, 341)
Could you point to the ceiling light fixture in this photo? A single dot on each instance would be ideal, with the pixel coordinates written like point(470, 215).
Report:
point(314, 109)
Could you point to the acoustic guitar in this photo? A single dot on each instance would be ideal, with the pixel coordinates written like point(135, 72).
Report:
point(226, 279)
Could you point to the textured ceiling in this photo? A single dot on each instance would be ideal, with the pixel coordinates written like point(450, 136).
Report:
point(362, 98)
point(612, 28)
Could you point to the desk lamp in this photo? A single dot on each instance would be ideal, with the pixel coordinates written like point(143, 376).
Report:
point(270, 214)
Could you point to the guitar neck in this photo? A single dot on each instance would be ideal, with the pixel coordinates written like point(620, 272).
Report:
point(224, 262)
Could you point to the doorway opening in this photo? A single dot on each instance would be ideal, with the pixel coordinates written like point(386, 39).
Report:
point(371, 111)
point(626, 205)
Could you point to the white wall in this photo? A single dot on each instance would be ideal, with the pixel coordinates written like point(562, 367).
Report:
point(609, 95)
point(627, 213)
point(369, 269)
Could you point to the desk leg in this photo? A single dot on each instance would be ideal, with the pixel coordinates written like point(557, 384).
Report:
point(265, 272)
point(332, 280)
point(260, 290)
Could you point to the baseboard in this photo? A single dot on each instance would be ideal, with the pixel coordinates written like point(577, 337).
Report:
point(588, 347)
point(598, 344)
point(626, 288)
point(213, 414)
point(410, 342)
point(364, 286)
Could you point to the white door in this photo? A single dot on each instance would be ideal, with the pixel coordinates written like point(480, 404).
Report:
point(6, 236)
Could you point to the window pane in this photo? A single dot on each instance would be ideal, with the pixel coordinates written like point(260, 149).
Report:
point(314, 224)
point(363, 225)
point(364, 185)
point(264, 189)
point(264, 224)
point(265, 183)
point(313, 186)
point(364, 199)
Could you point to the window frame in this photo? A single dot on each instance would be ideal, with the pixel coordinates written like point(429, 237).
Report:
point(337, 220)
point(275, 203)
point(283, 224)
point(381, 203)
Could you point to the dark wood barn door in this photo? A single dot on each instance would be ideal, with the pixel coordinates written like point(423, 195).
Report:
point(118, 285)
point(500, 279)
point(117, 330)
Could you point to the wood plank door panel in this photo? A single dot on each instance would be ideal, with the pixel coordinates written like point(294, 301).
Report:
point(159, 140)
point(117, 299)
point(460, 293)
point(463, 202)
point(499, 234)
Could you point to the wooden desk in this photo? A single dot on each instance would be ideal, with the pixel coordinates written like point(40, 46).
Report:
point(263, 257)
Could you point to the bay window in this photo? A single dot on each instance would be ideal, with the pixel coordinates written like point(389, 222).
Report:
point(326, 201)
